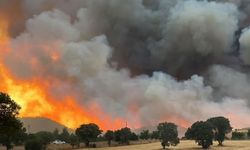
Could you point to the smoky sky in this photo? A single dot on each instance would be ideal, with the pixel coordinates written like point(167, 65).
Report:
point(153, 54)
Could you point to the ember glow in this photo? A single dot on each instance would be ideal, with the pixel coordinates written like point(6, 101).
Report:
point(137, 61)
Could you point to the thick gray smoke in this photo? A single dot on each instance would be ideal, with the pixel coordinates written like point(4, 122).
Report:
point(151, 60)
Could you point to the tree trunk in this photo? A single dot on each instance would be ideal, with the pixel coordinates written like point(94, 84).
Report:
point(220, 143)
point(8, 147)
point(87, 143)
point(109, 143)
point(163, 145)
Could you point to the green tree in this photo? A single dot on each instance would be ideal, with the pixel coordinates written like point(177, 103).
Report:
point(238, 136)
point(64, 136)
point(248, 133)
point(10, 127)
point(74, 140)
point(45, 138)
point(117, 136)
point(21, 137)
point(34, 144)
point(202, 133)
point(154, 135)
point(109, 136)
point(134, 137)
point(221, 126)
point(88, 132)
point(144, 135)
point(168, 134)
point(123, 135)
point(56, 134)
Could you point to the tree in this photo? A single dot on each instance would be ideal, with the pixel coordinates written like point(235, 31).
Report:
point(64, 136)
point(34, 144)
point(10, 127)
point(154, 135)
point(134, 137)
point(74, 140)
point(123, 135)
point(109, 135)
point(221, 127)
point(56, 134)
point(45, 138)
point(238, 136)
point(202, 133)
point(144, 135)
point(117, 136)
point(88, 132)
point(248, 133)
point(168, 134)
point(21, 136)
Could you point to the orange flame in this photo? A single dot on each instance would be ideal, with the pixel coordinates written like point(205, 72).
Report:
point(35, 100)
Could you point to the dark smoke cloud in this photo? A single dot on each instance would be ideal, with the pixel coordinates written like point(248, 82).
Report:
point(149, 59)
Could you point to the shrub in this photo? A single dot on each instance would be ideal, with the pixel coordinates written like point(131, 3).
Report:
point(34, 144)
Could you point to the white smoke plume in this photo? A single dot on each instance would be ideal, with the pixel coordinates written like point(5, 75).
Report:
point(150, 60)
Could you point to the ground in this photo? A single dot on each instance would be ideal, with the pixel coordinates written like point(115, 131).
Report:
point(184, 145)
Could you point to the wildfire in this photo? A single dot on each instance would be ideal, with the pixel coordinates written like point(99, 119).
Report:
point(35, 100)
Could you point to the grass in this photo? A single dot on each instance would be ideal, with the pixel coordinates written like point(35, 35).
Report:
point(184, 145)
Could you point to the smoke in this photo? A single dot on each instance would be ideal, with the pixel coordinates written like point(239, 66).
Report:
point(245, 47)
point(144, 61)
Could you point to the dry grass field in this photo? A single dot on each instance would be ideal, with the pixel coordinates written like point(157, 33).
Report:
point(184, 145)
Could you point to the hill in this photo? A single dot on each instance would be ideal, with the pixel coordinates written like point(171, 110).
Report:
point(37, 124)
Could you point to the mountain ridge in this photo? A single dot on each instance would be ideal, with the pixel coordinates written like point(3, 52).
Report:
point(37, 124)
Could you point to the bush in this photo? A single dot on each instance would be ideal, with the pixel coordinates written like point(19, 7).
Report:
point(34, 144)
point(238, 136)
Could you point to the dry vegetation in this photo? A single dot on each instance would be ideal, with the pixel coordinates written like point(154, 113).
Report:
point(184, 145)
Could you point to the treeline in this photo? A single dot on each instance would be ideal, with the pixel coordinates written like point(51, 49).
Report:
point(241, 135)
point(40, 140)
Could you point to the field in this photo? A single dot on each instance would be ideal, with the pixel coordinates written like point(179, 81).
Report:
point(184, 145)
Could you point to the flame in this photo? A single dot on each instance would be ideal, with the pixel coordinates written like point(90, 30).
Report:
point(36, 101)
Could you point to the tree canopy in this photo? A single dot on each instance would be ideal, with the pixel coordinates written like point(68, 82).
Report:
point(202, 133)
point(168, 134)
point(74, 140)
point(155, 135)
point(88, 132)
point(145, 135)
point(221, 126)
point(10, 127)
point(64, 136)
point(109, 135)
